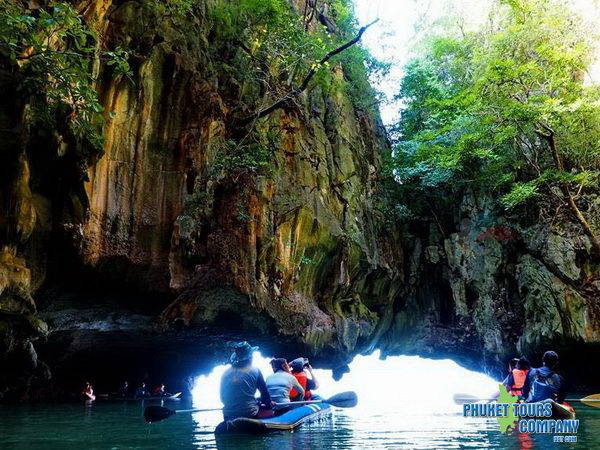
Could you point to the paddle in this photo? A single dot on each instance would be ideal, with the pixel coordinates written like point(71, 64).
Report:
point(341, 400)
point(591, 400)
point(157, 413)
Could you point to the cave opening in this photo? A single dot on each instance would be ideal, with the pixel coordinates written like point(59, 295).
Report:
point(428, 385)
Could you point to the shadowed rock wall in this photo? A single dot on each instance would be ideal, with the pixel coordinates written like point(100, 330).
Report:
point(299, 258)
point(298, 252)
point(485, 288)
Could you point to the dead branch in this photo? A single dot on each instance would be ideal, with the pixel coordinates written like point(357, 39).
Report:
point(309, 76)
point(564, 187)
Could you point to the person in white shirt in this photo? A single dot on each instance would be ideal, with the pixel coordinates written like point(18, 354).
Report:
point(281, 382)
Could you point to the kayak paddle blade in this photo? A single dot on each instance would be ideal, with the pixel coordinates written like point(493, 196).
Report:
point(343, 400)
point(591, 400)
point(156, 413)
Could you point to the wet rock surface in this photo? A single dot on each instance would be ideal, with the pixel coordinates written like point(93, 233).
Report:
point(493, 289)
point(147, 260)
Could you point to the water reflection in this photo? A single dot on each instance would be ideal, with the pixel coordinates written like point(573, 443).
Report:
point(408, 406)
point(404, 402)
point(120, 425)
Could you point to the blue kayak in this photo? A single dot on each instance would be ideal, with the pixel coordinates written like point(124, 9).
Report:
point(286, 422)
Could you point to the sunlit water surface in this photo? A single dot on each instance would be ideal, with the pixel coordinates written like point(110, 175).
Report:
point(404, 402)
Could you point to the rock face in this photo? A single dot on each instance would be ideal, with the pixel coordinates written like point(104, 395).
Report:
point(295, 257)
point(491, 289)
point(300, 246)
point(296, 253)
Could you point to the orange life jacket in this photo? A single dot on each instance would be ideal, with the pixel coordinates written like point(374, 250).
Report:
point(519, 377)
point(303, 380)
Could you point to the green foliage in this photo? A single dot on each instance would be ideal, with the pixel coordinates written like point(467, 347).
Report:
point(519, 193)
point(358, 64)
point(359, 68)
point(241, 213)
point(237, 159)
point(196, 200)
point(480, 107)
point(175, 11)
point(273, 52)
point(52, 50)
point(307, 261)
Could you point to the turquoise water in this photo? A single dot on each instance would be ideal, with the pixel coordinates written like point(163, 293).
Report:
point(405, 402)
point(121, 426)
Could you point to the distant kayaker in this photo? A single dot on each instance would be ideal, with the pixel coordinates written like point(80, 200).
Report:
point(239, 384)
point(123, 390)
point(299, 367)
point(281, 382)
point(88, 392)
point(518, 370)
point(142, 391)
point(159, 391)
point(544, 383)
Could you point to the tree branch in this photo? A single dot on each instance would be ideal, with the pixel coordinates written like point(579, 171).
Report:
point(564, 187)
point(309, 76)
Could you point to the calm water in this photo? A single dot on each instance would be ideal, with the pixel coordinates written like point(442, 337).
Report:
point(120, 426)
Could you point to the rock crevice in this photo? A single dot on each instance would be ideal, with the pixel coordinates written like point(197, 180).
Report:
point(295, 254)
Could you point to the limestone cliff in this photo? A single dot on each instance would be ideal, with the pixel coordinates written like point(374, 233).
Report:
point(169, 242)
point(297, 251)
point(486, 287)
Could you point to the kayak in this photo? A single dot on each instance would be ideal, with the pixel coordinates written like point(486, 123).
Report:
point(129, 399)
point(562, 410)
point(285, 422)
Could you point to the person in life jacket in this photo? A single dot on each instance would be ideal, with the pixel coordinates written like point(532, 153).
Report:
point(88, 392)
point(280, 384)
point(142, 391)
point(159, 391)
point(298, 367)
point(544, 383)
point(518, 370)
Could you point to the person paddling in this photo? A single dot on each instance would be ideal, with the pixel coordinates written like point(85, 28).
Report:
point(298, 367)
point(239, 384)
point(544, 383)
point(142, 391)
point(280, 384)
point(518, 370)
point(88, 392)
point(123, 390)
point(159, 391)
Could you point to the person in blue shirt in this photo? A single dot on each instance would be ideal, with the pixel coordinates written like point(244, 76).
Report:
point(239, 384)
point(544, 383)
point(142, 391)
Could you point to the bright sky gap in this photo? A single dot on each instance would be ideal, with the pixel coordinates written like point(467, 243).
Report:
point(404, 23)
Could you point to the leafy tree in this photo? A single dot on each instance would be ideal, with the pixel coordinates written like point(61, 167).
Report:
point(506, 110)
point(51, 51)
point(253, 157)
point(280, 58)
point(275, 55)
